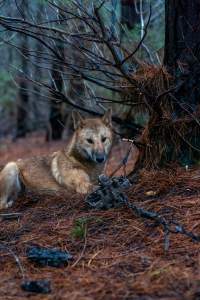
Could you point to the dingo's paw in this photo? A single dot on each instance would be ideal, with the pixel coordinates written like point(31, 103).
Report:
point(84, 188)
point(6, 202)
point(3, 203)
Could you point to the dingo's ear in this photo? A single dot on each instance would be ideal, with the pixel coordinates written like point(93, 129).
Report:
point(78, 120)
point(107, 117)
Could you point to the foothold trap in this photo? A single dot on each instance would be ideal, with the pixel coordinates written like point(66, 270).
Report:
point(109, 194)
point(48, 257)
point(37, 286)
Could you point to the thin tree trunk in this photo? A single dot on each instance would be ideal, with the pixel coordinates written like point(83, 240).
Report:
point(56, 118)
point(23, 94)
point(37, 105)
point(129, 16)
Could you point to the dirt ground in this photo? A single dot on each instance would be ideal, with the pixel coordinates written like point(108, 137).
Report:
point(120, 256)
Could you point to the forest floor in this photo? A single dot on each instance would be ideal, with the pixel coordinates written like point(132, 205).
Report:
point(120, 256)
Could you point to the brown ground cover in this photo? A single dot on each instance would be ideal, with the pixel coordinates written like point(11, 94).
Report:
point(119, 256)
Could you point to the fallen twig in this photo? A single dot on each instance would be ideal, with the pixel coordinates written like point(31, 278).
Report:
point(9, 216)
point(16, 258)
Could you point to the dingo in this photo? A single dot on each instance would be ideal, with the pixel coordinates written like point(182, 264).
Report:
point(75, 168)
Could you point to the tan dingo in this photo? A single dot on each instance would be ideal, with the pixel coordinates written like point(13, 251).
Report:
point(75, 167)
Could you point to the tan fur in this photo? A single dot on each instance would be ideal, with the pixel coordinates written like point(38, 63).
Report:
point(9, 184)
point(75, 168)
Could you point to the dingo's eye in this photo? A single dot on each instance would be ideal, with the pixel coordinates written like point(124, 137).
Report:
point(90, 141)
point(103, 139)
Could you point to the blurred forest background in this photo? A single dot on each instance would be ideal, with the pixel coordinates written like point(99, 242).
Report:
point(140, 57)
point(35, 87)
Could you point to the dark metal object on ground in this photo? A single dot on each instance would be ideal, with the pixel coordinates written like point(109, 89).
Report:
point(37, 286)
point(109, 194)
point(48, 257)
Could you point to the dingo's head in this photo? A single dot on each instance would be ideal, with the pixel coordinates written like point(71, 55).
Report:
point(93, 137)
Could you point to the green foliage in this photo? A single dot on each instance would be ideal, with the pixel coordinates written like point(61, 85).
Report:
point(80, 226)
point(79, 229)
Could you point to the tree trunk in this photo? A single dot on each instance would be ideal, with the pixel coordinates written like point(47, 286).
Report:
point(182, 34)
point(39, 107)
point(77, 89)
point(182, 60)
point(173, 130)
point(23, 94)
point(129, 16)
point(56, 118)
point(22, 108)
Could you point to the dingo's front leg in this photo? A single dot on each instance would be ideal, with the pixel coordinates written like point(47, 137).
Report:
point(74, 179)
point(79, 181)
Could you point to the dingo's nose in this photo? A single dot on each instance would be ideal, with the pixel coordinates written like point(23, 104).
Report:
point(100, 157)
